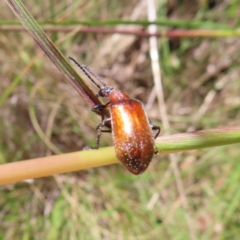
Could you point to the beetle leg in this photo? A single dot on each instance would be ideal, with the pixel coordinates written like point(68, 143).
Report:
point(107, 130)
point(99, 108)
point(99, 128)
point(154, 127)
point(156, 151)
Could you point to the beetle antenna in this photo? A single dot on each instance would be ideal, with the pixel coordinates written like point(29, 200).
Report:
point(86, 71)
point(96, 76)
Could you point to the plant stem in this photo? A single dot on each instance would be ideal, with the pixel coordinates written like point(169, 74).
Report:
point(47, 166)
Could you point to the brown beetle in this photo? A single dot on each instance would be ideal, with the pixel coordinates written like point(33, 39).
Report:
point(132, 131)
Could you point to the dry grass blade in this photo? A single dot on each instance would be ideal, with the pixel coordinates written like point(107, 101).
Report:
point(52, 52)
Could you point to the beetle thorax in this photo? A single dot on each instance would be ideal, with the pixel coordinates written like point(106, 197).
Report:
point(117, 95)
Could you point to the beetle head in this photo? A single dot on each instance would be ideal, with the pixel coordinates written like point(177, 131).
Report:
point(104, 91)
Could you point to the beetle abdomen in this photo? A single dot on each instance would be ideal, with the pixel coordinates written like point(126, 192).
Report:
point(132, 135)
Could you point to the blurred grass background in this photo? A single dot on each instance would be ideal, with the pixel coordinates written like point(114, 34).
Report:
point(201, 87)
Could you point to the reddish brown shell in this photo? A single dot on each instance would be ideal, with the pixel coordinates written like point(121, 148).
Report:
point(132, 136)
